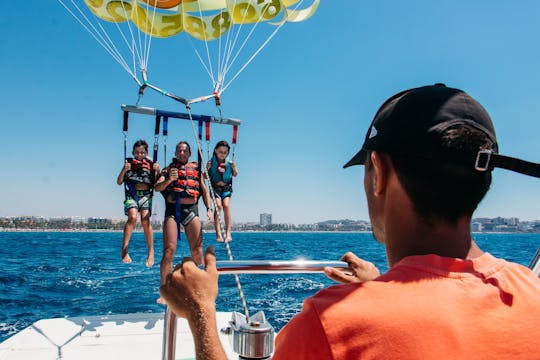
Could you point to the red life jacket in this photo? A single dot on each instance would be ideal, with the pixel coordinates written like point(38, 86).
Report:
point(141, 171)
point(188, 183)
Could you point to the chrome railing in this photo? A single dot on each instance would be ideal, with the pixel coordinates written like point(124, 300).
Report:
point(535, 263)
point(247, 267)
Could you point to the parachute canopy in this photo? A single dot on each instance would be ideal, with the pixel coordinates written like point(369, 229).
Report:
point(126, 28)
point(202, 19)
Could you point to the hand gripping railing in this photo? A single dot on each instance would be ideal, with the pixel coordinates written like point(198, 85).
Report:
point(247, 267)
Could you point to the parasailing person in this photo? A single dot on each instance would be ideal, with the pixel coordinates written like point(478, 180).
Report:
point(182, 185)
point(221, 171)
point(138, 176)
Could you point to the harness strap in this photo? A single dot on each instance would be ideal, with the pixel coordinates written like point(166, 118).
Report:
point(178, 217)
point(131, 189)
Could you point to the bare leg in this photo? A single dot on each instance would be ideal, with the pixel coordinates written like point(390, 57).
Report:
point(228, 218)
point(170, 234)
point(216, 219)
point(148, 235)
point(128, 230)
point(194, 235)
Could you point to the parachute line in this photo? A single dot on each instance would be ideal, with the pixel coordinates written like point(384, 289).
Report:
point(149, 40)
point(206, 67)
point(263, 45)
point(232, 45)
point(113, 47)
point(227, 48)
point(206, 45)
point(95, 33)
point(135, 52)
point(241, 47)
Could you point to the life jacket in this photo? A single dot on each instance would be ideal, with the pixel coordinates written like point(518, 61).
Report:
point(141, 172)
point(188, 183)
point(220, 171)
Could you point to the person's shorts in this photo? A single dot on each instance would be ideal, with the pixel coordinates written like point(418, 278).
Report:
point(188, 212)
point(144, 203)
point(222, 191)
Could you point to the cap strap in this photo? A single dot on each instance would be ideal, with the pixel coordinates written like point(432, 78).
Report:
point(487, 160)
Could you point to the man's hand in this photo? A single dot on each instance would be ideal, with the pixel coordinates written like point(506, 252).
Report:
point(361, 270)
point(173, 174)
point(191, 292)
point(127, 165)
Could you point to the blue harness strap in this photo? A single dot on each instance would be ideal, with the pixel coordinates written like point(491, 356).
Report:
point(178, 213)
point(131, 188)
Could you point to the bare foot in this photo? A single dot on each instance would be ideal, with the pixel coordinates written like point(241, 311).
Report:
point(228, 237)
point(150, 260)
point(219, 239)
point(161, 301)
point(126, 259)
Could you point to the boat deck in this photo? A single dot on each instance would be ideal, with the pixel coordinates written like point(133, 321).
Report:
point(129, 336)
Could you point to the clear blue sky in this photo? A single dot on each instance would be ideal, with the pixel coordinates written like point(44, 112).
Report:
point(305, 102)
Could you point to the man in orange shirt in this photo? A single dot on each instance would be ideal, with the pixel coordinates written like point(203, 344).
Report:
point(428, 156)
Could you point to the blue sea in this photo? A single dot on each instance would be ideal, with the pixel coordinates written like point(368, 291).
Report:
point(59, 274)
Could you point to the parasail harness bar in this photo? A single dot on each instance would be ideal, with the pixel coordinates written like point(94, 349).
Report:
point(179, 115)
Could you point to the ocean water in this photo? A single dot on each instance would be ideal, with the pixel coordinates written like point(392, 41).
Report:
point(59, 274)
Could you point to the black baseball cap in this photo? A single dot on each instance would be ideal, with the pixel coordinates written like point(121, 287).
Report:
point(406, 122)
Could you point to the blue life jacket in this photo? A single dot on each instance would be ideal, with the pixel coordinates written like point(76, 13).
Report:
point(220, 172)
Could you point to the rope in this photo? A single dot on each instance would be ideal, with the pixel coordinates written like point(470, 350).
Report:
point(105, 42)
point(206, 178)
point(263, 45)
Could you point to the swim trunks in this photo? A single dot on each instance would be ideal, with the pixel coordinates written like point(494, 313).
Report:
point(188, 212)
point(144, 202)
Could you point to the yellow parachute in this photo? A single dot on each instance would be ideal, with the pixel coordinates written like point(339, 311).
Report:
point(202, 19)
point(125, 29)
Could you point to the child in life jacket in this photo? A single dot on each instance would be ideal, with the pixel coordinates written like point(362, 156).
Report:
point(138, 176)
point(221, 171)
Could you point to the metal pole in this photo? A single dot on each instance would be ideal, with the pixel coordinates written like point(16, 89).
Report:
point(277, 266)
point(169, 335)
point(535, 263)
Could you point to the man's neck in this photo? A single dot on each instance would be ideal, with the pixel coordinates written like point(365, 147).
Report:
point(438, 237)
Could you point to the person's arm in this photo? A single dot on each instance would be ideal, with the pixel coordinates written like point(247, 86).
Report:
point(191, 293)
point(233, 168)
point(126, 168)
point(206, 199)
point(362, 270)
point(155, 168)
point(164, 181)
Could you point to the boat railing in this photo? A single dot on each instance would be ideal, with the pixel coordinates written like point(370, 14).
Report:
point(535, 263)
point(247, 267)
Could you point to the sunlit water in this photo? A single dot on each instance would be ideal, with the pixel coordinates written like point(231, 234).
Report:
point(46, 275)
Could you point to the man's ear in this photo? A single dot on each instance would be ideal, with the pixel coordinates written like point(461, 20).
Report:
point(380, 172)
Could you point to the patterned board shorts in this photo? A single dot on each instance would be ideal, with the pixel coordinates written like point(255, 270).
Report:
point(144, 203)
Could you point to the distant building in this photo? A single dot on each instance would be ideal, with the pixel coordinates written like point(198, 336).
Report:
point(265, 219)
point(476, 227)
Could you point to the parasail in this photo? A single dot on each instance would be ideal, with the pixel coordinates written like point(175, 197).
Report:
point(201, 19)
point(219, 31)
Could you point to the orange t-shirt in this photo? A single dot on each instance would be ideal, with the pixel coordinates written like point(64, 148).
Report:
point(425, 307)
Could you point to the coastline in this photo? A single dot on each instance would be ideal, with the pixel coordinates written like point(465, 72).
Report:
point(11, 230)
point(204, 231)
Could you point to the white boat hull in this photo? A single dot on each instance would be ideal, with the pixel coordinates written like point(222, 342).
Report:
point(129, 336)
